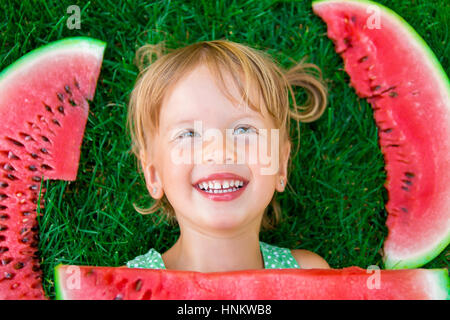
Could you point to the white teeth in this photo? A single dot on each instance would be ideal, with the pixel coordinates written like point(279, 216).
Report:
point(216, 186)
point(221, 191)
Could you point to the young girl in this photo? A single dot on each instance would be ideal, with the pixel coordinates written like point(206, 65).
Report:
point(219, 199)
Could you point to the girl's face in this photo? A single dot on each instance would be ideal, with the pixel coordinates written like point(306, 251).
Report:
point(203, 133)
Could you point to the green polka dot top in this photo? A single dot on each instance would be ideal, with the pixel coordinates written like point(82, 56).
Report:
point(274, 258)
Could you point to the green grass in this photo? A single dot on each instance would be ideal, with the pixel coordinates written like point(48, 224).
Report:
point(335, 205)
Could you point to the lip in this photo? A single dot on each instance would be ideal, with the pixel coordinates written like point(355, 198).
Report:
point(221, 176)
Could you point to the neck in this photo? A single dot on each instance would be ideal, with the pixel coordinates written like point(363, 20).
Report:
point(196, 251)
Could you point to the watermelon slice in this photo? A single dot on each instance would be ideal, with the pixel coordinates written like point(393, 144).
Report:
point(391, 66)
point(43, 112)
point(352, 283)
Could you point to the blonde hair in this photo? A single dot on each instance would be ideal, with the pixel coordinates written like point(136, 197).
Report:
point(273, 83)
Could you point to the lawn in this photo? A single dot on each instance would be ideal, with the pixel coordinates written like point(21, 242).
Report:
point(334, 204)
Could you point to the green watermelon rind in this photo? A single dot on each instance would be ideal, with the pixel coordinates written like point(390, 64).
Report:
point(93, 45)
point(58, 287)
point(441, 283)
point(416, 261)
point(419, 260)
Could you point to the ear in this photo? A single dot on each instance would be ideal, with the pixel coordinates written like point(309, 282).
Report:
point(282, 173)
point(152, 178)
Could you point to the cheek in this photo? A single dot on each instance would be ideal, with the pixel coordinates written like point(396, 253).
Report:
point(176, 173)
point(180, 154)
point(261, 151)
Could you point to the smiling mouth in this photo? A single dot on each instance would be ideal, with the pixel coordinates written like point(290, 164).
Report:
point(224, 193)
point(222, 190)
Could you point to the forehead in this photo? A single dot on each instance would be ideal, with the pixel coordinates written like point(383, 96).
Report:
point(197, 96)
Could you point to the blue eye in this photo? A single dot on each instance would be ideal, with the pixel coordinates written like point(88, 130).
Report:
point(189, 133)
point(248, 127)
point(183, 134)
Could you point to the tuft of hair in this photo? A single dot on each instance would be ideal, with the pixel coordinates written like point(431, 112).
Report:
point(256, 75)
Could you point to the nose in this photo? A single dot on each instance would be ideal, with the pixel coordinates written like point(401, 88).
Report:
point(218, 150)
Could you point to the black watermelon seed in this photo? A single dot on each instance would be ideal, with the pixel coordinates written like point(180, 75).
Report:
point(26, 213)
point(46, 167)
point(43, 150)
point(72, 103)
point(407, 182)
point(2, 207)
point(35, 228)
point(2, 238)
point(45, 138)
point(56, 122)
point(24, 240)
point(3, 184)
point(387, 130)
point(8, 167)
point(6, 261)
point(138, 285)
point(3, 196)
point(11, 177)
point(12, 156)
point(393, 145)
point(32, 168)
point(119, 297)
point(76, 84)
point(35, 268)
point(9, 276)
point(60, 96)
point(375, 88)
point(393, 94)
point(23, 231)
point(17, 143)
point(363, 59)
point(3, 227)
point(404, 209)
point(36, 178)
point(61, 109)
point(67, 89)
point(405, 188)
point(34, 244)
point(4, 249)
point(34, 155)
point(409, 174)
point(18, 265)
point(48, 108)
point(33, 187)
point(4, 217)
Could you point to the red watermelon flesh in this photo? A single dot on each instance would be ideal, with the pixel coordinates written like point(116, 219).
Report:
point(391, 66)
point(352, 283)
point(43, 112)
